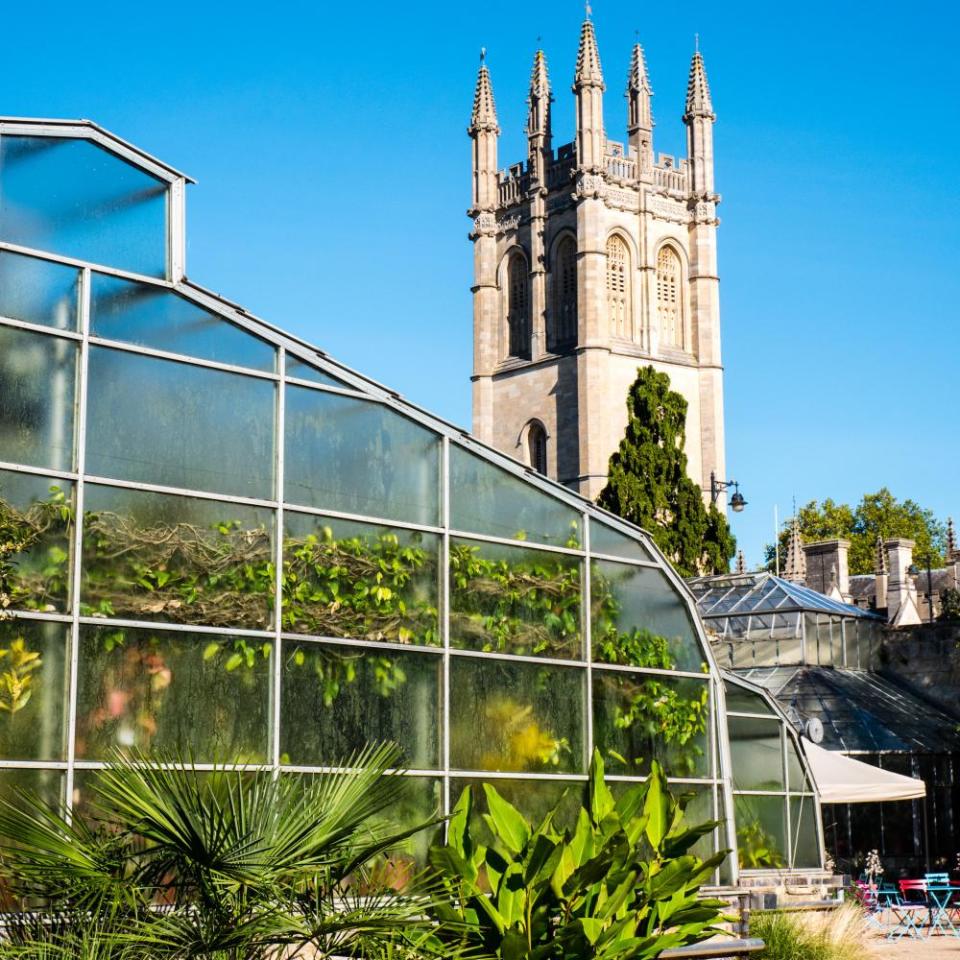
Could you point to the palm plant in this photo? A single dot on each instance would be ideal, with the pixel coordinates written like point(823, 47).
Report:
point(176, 863)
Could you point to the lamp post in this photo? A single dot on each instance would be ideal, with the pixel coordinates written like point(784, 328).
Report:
point(737, 503)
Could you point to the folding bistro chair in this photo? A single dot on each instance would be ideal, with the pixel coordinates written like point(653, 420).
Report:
point(909, 910)
point(866, 895)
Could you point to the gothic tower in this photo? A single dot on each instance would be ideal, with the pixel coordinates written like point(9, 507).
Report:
point(592, 260)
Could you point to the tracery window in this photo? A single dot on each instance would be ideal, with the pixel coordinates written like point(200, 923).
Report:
point(518, 307)
point(618, 287)
point(669, 297)
point(537, 447)
point(563, 327)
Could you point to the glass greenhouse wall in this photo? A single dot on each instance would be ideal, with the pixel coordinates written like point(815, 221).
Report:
point(217, 541)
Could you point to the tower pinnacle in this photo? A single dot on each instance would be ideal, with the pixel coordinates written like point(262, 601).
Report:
point(796, 565)
point(639, 115)
point(698, 91)
point(588, 71)
point(538, 118)
point(484, 116)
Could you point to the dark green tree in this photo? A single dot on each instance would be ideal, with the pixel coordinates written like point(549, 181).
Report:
point(648, 482)
point(878, 514)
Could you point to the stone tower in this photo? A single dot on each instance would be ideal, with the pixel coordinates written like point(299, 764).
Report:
point(592, 260)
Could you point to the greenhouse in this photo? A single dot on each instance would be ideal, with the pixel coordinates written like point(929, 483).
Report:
point(218, 542)
point(762, 620)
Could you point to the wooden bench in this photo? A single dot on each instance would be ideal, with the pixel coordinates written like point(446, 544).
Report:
point(714, 949)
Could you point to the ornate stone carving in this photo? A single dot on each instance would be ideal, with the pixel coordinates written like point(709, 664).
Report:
point(507, 224)
point(667, 209)
point(623, 199)
point(485, 225)
point(590, 185)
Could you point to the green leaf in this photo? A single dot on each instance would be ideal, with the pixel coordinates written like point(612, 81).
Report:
point(506, 822)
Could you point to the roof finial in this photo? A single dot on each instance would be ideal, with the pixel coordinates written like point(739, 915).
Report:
point(483, 55)
point(588, 10)
point(696, 43)
point(741, 562)
point(796, 565)
point(951, 541)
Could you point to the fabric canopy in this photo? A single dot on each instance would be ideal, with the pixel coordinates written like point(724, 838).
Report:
point(842, 779)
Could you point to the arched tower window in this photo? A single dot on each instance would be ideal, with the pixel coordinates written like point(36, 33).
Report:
point(518, 307)
point(563, 325)
point(618, 287)
point(670, 297)
point(537, 447)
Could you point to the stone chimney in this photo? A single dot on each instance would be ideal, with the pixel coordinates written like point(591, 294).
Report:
point(880, 569)
point(828, 568)
point(901, 590)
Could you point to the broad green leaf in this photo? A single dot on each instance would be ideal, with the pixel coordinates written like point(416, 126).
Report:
point(506, 822)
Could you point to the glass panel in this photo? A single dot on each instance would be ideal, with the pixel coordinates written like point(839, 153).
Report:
point(301, 370)
point(336, 700)
point(640, 619)
point(806, 846)
point(37, 374)
point(486, 499)
point(604, 539)
point(153, 556)
point(155, 317)
point(742, 700)
point(761, 832)
point(47, 784)
point(639, 717)
point(200, 696)
point(38, 291)
point(195, 428)
point(698, 810)
point(533, 798)
point(342, 578)
point(755, 754)
point(72, 197)
point(514, 600)
point(36, 520)
point(516, 716)
point(358, 456)
point(33, 690)
point(796, 778)
point(810, 638)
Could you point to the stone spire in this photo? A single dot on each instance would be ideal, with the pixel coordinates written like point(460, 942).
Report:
point(483, 131)
point(538, 119)
point(952, 553)
point(795, 568)
point(698, 91)
point(699, 118)
point(639, 114)
point(880, 561)
point(741, 562)
point(588, 86)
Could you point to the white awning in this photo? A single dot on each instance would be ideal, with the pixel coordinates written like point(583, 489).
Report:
point(841, 779)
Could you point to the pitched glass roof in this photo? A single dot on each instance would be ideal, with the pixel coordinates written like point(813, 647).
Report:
point(861, 712)
point(743, 593)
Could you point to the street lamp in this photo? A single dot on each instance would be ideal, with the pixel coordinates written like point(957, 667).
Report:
point(737, 503)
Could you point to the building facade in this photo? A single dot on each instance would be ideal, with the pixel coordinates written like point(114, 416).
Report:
point(592, 260)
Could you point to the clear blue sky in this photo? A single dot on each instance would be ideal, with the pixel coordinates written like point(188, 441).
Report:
point(333, 166)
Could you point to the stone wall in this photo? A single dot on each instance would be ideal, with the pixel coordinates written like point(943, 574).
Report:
point(926, 659)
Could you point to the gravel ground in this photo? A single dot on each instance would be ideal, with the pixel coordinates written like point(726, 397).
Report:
point(934, 948)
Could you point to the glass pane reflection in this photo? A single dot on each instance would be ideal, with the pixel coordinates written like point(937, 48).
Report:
point(38, 291)
point(514, 600)
point(72, 197)
point(486, 499)
point(336, 700)
point(200, 696)
point(516, 716)
point(195, 428)
point(358, 456)
point(761, 832)
point(155, 317)
point(640, 619)
point(37, 375)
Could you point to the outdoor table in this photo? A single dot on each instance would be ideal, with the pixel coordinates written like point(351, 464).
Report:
point(940, 895)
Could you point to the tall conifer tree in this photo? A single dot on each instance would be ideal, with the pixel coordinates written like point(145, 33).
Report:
point(649, 486)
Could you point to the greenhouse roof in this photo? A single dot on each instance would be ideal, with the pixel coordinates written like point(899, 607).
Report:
point(861, 712)
point(743, 593)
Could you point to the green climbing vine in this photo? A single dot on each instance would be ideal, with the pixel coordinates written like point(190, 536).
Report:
point(376, 585)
